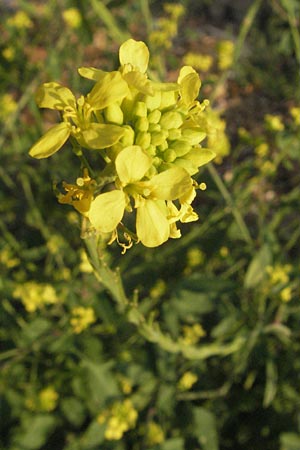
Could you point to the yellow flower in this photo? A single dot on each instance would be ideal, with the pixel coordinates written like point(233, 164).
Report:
point(187, 380)
point(198, 61)
point(82, 318)
point(119, 418)
point(79, 195)
point(274, 122)
point(35, 295)
point(286, 294)
point(192, 334)
point(20, 20)
point(225, 54)
point(72, 17)
point(279, 274)
point(155, 434)
point(9, 53)
point(78, 120)
point(262, 149)
point(7, 106)
point(295, 113)
point(48, 399)
point(148, 136)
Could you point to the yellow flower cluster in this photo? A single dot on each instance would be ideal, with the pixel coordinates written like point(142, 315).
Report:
point(48, 399)
point(187, 380)
point(82, 318)
point(147, 136)
point(225, 54)
point(35, 295)
point(119, 418)
point(7, 106)
point(166, 28)
point(20, 20)
point(192, 334)
point(295, 113)
point(198, 61)
point(72, 17)
point(279, 275)
point(274, 122)
point(154, 434)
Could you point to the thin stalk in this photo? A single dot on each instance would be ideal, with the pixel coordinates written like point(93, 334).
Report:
point(245, 28)
point(108, 19)
point(294, 28)
point(147, 14)
point(230, 202)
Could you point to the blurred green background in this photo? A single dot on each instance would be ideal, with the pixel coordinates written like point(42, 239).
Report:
point(76, 374)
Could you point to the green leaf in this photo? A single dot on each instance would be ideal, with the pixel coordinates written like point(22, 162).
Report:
point(271, 383)
point(34, 330)
point(172, 444)
point(289, 441)
point(205, 429)
point(93, 436)
point(257, 267)
point(100, 382)
point(38, 428)
point(73, 410)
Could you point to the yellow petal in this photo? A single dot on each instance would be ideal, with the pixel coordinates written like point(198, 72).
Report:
point(152, 225)
point(139, 81)
point(190, 84)
point(107, 210)
point(51, 142)
point(170, 184)
point(135, 53)
point(54, 96)
point(200, 156)
point(109, 89)
point(91, 73)
point(132, 163)
point(99, 135)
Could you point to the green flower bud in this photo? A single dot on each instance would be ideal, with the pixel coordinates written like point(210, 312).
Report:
point(128, 138)
point(171, 119)
point(157, 138)
point(174, 134)
point(140, 109)
point(142, 124)
point(114, 114)
point(169, 155)
point(180, 147)
point(151, 150)
point(193, 135)
point(154, 127)
point(162, 147)
point(154, 116)
point(143, 139)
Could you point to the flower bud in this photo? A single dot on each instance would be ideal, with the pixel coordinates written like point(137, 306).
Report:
point(142, 124)
point(154, 116)
point(143, 139)
point(171, 119)
point(140, 109)
point(193, 135)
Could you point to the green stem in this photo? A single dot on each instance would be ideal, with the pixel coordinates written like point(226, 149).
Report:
point(245, 28)
point(294, 28)
point(229, 200)
point(108, 19)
